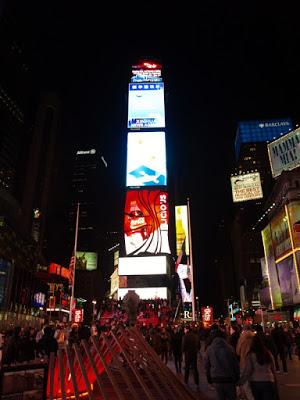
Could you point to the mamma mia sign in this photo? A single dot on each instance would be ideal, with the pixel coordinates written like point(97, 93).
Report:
point(284, 153)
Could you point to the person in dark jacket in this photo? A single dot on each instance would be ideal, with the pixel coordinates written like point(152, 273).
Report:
point(234, 337)
point(279, 338)
point(48, 344)
point(190, 348)
point(176, 344)
point(222, 367)
point(12, 347)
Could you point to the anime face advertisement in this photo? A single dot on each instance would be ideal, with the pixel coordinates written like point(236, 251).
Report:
point(146, 222)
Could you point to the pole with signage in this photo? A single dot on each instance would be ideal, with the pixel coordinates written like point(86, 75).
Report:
point(191, 259)
point(74, 265)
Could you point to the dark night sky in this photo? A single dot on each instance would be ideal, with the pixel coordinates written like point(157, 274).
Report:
point(221, 65)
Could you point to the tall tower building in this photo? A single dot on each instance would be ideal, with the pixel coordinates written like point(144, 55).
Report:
point(252, 168)
point(146, 267)
point(87, 180)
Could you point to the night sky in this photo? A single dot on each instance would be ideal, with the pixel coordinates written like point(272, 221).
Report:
point(220, 65)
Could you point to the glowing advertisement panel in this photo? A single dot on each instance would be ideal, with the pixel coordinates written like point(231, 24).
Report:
point(280, 234)
point(86, 260)
point(294, 214)
point(284, 153)
point(265, 297)
point(246, 187)
point(146, 222)
point(146, 105)
point(288, 282)
point(271, 266)
point(156, 265)
point(146, 159)
point(185, 282)
point(182, 237)
point(150, 293)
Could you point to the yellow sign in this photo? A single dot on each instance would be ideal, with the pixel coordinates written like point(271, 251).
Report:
point(181, 220)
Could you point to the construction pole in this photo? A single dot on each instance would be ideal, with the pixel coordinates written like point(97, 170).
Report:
point(74, 264)
point(191, 260)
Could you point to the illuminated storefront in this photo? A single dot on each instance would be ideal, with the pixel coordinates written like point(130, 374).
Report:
point(281, 241)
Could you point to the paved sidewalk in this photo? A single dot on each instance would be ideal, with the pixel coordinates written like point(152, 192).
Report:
point(288, 384)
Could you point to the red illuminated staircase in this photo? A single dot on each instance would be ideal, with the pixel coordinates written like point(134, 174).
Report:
point(118, 365)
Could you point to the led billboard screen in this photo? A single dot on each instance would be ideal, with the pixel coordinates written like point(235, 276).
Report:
point(288, 282)
point(294, 214)
point(246, 187)
point(150, 293)
point(271, 266)
point(156, 265)
point(86, 260)
point(185, 282)
point(146, 105)
point(182, 237)
point(146, 222)
point(146, 159)
point(284, 153)
point(280, 234)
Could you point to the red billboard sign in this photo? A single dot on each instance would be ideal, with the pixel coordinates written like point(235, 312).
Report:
point(146, 222)
point(207, 316)
point(78, 315)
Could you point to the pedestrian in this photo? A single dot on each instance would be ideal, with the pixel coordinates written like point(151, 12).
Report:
point(259, 371)
point(289, 341)
point(48, 344)
point(242, 350)
point(297, 342)
point(164, 345)
point(190, 348)
point(234, 337)
point(222, 366)
point(176, 345)
point(279, 338)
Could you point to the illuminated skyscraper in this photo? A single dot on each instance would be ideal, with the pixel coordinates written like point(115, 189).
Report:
point(145, 268)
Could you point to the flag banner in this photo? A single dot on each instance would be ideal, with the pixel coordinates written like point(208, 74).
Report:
point(71, 270)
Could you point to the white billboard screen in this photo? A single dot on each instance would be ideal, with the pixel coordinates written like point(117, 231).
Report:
point(146, 293)
point(146, 159)
point(143, 265)
point(284, 153)
point(246, 187)
point(146, 105)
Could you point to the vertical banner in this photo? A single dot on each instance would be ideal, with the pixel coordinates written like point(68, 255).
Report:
point(182, 237)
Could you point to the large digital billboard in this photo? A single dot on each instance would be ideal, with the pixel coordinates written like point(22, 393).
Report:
point(86, 260)
point(146, 159)
point(246, 187)
point(280, 234)
point(146, 105)
point(294, 214)
point(185, 282)
point(146, 222)
point(182, 237)
point(156, 265)
point(146, 71)
point(288, 282)
point(284, 153)
point(271, 267)
point(149, 293)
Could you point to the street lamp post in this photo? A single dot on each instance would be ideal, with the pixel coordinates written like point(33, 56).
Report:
point(197, 308)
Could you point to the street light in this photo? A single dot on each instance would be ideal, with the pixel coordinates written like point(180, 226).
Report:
point(197, 307)
point(94, 308)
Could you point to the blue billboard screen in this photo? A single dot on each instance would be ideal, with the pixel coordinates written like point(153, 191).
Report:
point(146, 159)
point(146, 106)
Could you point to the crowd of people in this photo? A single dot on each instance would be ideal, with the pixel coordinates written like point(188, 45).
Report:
point(238, 360)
